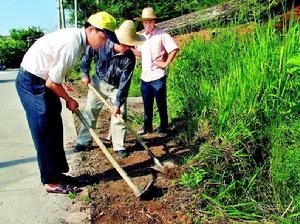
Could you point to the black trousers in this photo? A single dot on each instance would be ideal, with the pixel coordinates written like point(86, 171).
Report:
point(156, 89)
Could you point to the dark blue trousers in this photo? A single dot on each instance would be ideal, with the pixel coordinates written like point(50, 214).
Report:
point(43, 110)
point(156, 89)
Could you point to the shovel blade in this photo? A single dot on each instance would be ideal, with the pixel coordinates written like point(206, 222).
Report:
point(163, 167)
point(146, 189)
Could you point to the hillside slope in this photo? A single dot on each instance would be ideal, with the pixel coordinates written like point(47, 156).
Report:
point(241, 10)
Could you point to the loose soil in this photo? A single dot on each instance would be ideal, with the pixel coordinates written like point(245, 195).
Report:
point(110, 200)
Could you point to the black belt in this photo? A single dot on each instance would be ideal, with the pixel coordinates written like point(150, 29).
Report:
point(25, 72)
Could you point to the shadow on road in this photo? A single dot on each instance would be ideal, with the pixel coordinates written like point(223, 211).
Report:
point(6, 81)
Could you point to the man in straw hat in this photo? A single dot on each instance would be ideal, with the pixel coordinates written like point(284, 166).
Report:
point(156, 53)
point(114, 69)
point(39, 85)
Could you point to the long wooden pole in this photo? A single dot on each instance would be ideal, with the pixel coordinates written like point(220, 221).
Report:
point(123, 174)
point(158, 164)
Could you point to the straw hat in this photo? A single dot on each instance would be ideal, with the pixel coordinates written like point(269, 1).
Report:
point(127, 34)
point(147, 14)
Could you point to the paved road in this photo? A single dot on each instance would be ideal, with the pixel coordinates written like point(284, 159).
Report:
point(22, 198)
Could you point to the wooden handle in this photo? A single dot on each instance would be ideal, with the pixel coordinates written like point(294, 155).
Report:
point(123, 174)
point(137, 136)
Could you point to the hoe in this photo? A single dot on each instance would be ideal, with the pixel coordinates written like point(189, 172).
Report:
point(158, 165)
point(136, 190)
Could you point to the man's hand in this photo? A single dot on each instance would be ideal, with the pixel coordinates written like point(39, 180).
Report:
point(115, 111)
point(136, 52)
point(161, 64)
point(86, 80)
point(169, 58)
point(72, 104)
point(59, 90)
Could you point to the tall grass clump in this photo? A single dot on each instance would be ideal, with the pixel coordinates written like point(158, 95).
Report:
point(285, 167)
point(240, 86)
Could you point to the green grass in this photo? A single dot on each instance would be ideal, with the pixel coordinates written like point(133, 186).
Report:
point(71, 195)
point(193, 178)
point(135, 86)
point(241, 87)
point(285, 167)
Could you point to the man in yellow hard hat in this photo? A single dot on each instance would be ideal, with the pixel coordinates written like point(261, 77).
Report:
point(112, 78)
point(39, 85)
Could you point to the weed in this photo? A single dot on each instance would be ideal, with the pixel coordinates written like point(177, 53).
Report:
point(193, 178)
point(86, 198)
point(71, 195)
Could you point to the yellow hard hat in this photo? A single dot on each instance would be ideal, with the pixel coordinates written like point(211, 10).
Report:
point(106, 22)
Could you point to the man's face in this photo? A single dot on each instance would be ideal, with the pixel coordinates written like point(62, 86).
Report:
point(149, 25)
point(96, 38)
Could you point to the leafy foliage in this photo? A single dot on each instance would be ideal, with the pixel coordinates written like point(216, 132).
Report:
point(11, 51)
point(13, 48)
point(123, 9)
point(193, 178)
point(26, 35)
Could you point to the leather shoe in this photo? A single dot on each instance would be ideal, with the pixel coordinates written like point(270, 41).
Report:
point(162, 134)
point(143, 132)
point(122, 153)
point(81, 148)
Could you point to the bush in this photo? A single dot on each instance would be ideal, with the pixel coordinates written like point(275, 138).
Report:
point(12, 51)
point(13, 48)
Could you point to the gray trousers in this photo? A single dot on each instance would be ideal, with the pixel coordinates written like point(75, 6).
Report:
point(93, 107)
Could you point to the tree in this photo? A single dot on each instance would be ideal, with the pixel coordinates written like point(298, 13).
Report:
point(84, 9)
point(13, 48)
point(129, 9)
point(28, 35)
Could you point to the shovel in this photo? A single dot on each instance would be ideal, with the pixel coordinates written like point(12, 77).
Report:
point(158, 165)
point(136, 190)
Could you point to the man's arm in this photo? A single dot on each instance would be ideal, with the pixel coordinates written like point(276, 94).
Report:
point(85, 65)
point(136, 52)
point(170, 58)
point(125, 81)
point(60, 91)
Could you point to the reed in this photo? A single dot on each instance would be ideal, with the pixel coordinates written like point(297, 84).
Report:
point(241, 86)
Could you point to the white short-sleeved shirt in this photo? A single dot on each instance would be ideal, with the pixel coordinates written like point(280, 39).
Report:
point(157, 43)
point(53, 55)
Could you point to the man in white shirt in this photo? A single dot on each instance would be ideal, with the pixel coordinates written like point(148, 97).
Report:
point(39, 85)
point(157, 52)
